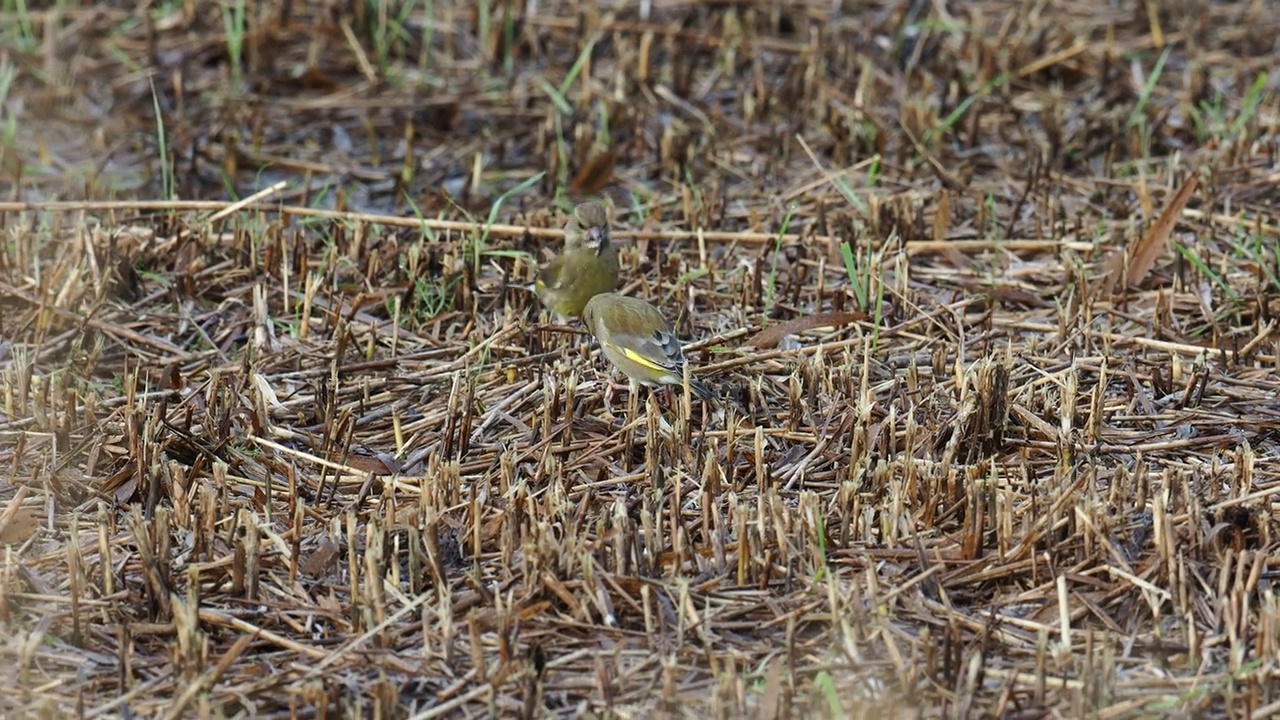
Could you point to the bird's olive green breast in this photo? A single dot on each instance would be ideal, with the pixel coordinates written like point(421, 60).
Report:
point(570, 280)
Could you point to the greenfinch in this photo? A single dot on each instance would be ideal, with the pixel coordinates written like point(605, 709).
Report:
point(587, 267)
point(636, 337)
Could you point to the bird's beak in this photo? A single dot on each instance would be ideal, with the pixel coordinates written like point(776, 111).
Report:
point(596, 238)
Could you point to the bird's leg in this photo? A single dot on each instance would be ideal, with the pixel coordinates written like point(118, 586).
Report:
point(668, 394)
point(633, 401)
point(610, 389)
point(608, 398)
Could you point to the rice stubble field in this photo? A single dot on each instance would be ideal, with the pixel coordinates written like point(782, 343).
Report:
point(988, 293)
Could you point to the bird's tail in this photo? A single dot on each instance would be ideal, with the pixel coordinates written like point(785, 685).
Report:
point(700, 389)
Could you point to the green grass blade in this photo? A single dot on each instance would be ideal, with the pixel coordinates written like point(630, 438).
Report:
point(1137, 117)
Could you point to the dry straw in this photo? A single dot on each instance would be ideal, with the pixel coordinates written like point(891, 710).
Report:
point(998, 435)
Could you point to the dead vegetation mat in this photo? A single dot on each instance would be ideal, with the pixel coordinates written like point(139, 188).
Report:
point(988, 291)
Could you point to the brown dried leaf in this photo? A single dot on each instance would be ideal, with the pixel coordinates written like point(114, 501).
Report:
point(313, 78)
point(770, 337)
point(122, 483)
point(1135, 264)
point(942, 216)
point(1007, 292)
point(772, 699)
point(378, 465)
point(16, 522)
point(314, 564)
point(594, 175)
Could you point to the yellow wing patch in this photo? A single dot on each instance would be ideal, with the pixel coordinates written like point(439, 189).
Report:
point(639, 359)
